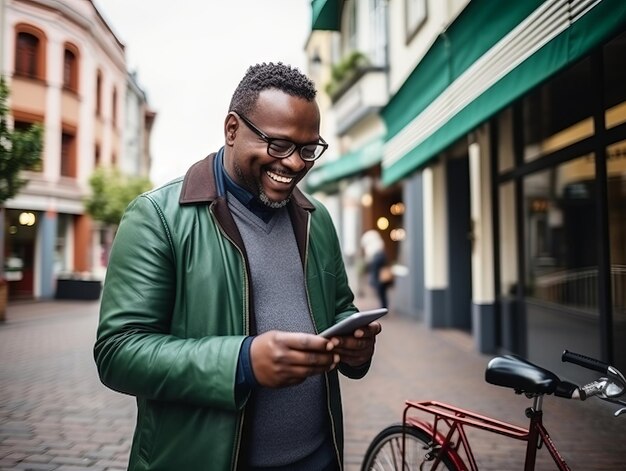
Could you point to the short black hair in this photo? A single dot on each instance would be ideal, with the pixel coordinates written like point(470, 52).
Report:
point(264, 76)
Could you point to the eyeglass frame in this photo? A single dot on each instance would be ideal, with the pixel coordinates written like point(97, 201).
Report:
point(269, 140)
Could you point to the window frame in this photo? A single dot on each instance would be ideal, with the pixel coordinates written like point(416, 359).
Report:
point(68, 165)
point(39, 53)
point(415, 14)
point(71, 80)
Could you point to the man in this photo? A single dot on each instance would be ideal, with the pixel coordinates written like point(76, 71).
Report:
point(216, 286)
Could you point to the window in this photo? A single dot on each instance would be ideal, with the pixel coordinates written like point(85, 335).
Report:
point(68, 155)
point(415, 14)
point(26, 55)
point(70, 67)
point(378, 18)
point(30, 52)
point(615, 102)
point(61, 245)
point(114, 107)
point(99, 93)
point(552, 120)
point(350, 39)
point(561, 237)
point(96, 156)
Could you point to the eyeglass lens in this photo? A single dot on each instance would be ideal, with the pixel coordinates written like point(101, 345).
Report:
point(282, 148)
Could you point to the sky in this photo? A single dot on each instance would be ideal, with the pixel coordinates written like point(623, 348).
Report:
point(190, 56)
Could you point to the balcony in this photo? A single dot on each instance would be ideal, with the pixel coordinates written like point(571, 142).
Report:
point(357, 89)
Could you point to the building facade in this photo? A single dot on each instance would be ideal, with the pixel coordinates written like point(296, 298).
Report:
point(66, 70)
point(506, 130)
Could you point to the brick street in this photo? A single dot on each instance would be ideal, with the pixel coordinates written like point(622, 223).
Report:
point(56, 415)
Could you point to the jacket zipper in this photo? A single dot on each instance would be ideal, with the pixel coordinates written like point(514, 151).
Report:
point(308, 300)
point(236, 450)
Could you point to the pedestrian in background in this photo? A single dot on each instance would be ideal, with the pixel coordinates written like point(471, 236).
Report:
point(216, 287)
point(380, 277)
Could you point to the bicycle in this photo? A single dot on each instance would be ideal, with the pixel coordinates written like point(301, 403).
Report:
point(442, 442)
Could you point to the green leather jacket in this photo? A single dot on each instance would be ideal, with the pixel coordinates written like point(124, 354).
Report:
point(176, 307)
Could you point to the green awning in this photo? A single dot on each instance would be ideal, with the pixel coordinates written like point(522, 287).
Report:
point(326, 15)
point(347, 165)
point(481, 64)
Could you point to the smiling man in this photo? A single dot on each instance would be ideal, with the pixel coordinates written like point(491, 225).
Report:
point(217, 285)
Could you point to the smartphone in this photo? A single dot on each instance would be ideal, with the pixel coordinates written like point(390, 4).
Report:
point(356, 320)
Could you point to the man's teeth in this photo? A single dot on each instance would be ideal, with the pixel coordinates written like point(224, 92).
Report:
point(279, 178)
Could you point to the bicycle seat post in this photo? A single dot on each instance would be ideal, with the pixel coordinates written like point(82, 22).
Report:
point(537, 405)
point(535, 414)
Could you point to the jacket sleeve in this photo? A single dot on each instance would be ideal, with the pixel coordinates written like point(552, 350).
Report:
point(135, 351)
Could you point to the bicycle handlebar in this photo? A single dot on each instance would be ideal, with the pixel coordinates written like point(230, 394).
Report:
point(585, 361)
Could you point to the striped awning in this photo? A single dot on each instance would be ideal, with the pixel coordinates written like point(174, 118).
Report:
point(487, 58)
point(347, 165)
point(326, 14)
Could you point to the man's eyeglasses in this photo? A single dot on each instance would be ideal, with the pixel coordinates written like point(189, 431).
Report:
point(283, 148)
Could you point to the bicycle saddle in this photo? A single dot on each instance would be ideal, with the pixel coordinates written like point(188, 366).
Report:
point(515, 372)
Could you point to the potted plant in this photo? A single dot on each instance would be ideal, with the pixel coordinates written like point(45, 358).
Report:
point(345, 72)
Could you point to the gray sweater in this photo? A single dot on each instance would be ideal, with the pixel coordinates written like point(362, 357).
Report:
point(289, 425)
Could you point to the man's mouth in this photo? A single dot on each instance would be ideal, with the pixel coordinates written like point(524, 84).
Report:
point(278, 178)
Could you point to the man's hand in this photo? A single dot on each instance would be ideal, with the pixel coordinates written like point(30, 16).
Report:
point(357, 349)
point(285, 358)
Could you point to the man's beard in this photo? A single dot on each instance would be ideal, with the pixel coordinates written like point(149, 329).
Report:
point(261, 196)
point(270, 203)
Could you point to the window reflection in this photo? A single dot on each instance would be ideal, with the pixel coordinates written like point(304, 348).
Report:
point(616, 189)
point(561, 241)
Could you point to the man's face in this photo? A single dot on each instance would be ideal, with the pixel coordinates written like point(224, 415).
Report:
point(278, 115)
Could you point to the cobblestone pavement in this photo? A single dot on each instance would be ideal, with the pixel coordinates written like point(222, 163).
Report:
point(56, 415)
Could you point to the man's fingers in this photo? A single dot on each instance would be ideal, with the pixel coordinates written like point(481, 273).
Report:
point(304, 342)
point(283, 358)
point(371, 330)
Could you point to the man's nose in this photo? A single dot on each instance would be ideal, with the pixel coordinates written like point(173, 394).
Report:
point(294, 162)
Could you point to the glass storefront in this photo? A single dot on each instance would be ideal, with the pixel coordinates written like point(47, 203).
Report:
point(616, 189)
point(562, 212)
point(19, 252)
point(561, 237)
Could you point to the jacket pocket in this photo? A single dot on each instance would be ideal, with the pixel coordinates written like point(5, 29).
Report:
point(147, 429)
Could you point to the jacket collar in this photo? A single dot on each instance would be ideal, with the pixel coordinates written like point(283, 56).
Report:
point(199, 186)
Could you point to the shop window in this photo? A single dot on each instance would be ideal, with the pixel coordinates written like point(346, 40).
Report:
point(30, 52)
point(19, 249)
point(61, 255)
point(616, 210)
point(552, 118)
point(68, 155)
point(561, 235)
point(70, 67)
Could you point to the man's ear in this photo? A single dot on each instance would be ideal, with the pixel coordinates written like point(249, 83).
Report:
point(231, 124)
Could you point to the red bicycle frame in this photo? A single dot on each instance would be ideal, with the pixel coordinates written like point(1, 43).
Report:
point(455, 419)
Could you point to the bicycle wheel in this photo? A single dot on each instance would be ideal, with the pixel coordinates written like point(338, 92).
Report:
point(385, 451)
